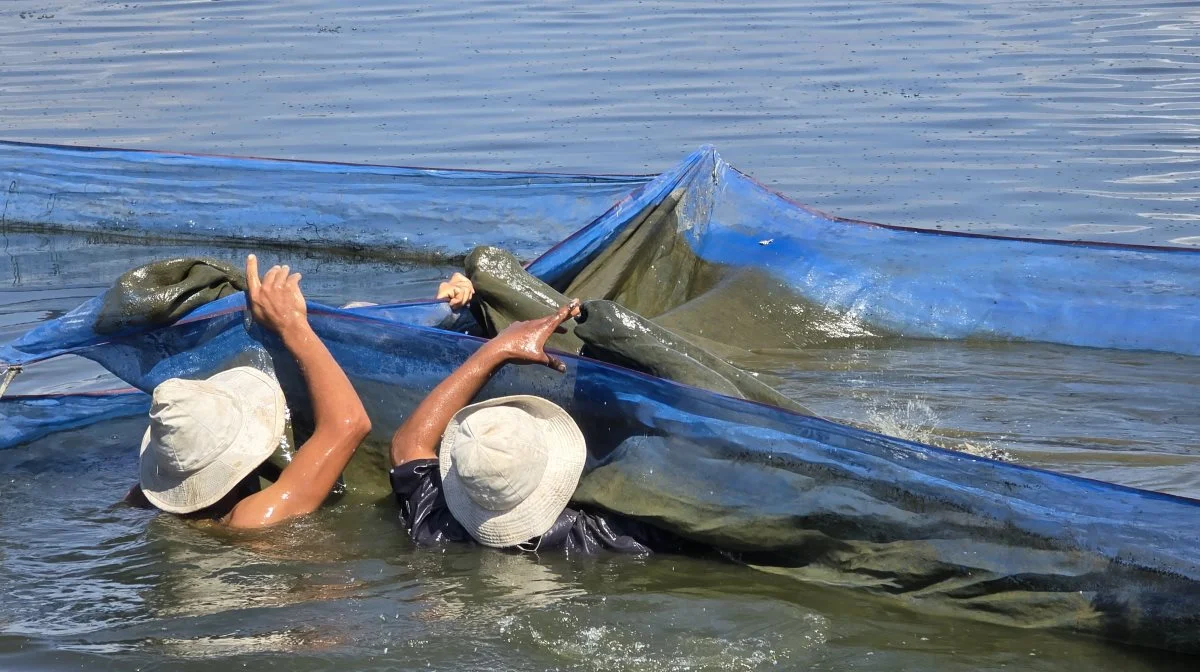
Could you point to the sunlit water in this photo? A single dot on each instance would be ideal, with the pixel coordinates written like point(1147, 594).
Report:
point(1031, 118)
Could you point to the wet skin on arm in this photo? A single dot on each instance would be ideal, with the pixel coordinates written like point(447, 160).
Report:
point(521, 342)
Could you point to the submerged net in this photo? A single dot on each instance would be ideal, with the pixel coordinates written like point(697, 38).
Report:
point(729, 267)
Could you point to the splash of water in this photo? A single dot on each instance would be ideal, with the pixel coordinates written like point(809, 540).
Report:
point(915, 420)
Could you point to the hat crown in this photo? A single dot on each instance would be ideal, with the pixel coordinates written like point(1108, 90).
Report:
point(192, 423)
point(500, 457)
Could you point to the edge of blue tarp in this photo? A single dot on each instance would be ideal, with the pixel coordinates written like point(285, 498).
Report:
point(25, 418)
point(906, 281)
point(243, 160)
point(916, 283)
point(390, 211)
point(235, 304)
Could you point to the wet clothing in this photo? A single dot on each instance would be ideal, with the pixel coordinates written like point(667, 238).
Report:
point(418, 488)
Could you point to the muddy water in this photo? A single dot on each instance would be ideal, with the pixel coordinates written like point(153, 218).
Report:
point(1051, 119)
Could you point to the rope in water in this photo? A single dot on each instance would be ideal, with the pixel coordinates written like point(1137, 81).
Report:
point(10, 372)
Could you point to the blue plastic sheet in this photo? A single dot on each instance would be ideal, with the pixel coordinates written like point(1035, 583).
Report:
point(881, 279)
point(918, 283)
point(809, 498)
point(26, 418)
point(388, 211)
point(818, 501)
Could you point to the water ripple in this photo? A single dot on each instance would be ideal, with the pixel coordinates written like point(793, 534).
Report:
point(982, 117)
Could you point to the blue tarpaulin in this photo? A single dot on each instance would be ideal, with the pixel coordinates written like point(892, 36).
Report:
point(813, 499)
point(899, 281)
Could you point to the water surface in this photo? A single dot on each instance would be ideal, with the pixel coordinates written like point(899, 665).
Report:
point(1074, 119)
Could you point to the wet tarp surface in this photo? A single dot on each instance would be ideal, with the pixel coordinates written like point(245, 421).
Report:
point(26, 418)
point(805, 497)
point(611, 332)
point(384, 211)
point(162, 292)
point(813, 499)
point(842, 278)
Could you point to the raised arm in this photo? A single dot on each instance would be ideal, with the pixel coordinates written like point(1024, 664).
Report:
point(521, 342)
point(341, 422)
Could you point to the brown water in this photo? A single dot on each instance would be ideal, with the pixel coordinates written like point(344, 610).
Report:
point(1040, 118)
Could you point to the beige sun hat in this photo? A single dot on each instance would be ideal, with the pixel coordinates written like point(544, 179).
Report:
point(205, 436)
point(509, 466)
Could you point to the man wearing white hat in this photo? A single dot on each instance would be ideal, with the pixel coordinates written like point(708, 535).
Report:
point(207, 438)
point(507, 467)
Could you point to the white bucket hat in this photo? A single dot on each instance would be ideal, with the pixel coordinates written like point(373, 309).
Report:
point(205, 436)
point(509, 466)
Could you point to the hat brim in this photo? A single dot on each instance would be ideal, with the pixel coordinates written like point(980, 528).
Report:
point(566, 455)
point(264, 416)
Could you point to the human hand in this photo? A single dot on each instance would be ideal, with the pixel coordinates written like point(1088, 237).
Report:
point(275, 301)
point(523, 342)
point(458, 289)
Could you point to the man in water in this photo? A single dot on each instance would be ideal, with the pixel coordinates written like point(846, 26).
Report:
point(207, 438)
point(507, 467)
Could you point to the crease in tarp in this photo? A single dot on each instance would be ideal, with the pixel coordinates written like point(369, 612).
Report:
point(27, 418)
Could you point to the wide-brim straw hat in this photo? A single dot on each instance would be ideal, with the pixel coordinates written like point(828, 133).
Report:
point(509, 466)
point(205, 436)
